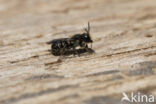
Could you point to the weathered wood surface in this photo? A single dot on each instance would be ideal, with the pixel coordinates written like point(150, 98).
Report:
point(124, 34)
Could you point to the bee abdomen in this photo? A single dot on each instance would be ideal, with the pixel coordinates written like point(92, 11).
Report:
point(59, 47)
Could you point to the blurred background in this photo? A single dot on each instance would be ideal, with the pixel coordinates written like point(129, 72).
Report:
point(124, 38)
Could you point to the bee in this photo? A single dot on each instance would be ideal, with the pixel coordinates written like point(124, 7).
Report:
point(64, 45)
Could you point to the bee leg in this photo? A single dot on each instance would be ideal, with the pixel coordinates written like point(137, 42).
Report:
point(91, 46)
point(62, 53)
point(86, 46)
point(88, 49)
point(75, 52)
point(83, 45)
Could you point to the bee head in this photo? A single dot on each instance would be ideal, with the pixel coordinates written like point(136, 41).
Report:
point(86, 36)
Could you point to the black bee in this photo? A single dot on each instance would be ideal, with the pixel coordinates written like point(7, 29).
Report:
point(64, 45)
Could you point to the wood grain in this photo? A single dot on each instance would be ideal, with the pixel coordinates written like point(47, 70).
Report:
point(124, 34)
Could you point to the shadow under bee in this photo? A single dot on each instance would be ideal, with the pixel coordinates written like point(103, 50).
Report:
point(75, 52)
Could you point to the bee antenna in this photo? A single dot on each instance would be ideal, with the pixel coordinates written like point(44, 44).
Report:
point(88, 31)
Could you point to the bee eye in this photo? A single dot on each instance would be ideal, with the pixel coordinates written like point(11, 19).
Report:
point(86, 36)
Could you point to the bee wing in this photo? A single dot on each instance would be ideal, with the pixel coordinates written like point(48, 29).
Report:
point(55, 40)
point(49, 42)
